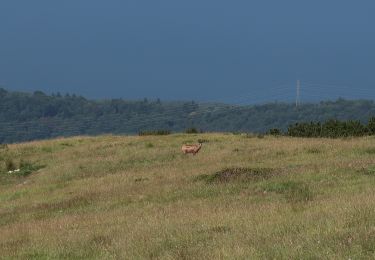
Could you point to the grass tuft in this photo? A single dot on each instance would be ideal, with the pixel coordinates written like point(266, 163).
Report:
point(237, 174)
point(67, 144)
point(10, 165)
point(141, 179)
point(250, 135)
point(149, 145)
point(292, 190)
point(218, 229)
point(154, 132)
point(370, 150)
point(370, 171)
point(27, 168)
point(47, 149)
point(314, 150)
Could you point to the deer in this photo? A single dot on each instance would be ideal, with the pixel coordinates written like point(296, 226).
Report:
point(191, 148)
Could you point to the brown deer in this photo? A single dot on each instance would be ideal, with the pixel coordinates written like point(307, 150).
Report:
point(191, 148)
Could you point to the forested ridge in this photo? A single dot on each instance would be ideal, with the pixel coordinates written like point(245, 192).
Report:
point(30, 116)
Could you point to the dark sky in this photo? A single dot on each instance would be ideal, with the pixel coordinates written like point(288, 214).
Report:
point(212, 50)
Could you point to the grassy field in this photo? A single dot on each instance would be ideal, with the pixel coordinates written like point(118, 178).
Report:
point(242, 197)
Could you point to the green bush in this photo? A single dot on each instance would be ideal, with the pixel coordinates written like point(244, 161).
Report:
point(250, 135)
point(238, 174)
point(154, 132)
point(26, 168)
point(332, 129)
point(370, 171)
point(191, 130)
point(292, 190)
point(149, 145)
point(371, 126)
point(274, 132)
point(10, 165)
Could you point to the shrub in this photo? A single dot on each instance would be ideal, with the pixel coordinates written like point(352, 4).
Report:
point(371, 126)
point(26, 168)
point(313, 150)
point(250, 135)
point(332, 129)
point(47, 149)
point(193, 130)
point(10, 165)
point(274, 132)
point(237, 174)
point(154, 132)
point(370, 150)
point(149, 145)
point(67, 144)
point(292, 190)
point(305, 130)
point(141, 179)
point(368, 171)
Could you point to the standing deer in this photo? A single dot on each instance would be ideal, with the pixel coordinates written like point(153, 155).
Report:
point(191, 148)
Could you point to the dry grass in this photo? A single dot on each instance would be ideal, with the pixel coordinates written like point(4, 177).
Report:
point(139, 197)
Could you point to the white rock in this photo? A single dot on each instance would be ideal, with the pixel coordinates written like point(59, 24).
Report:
point(14, 171)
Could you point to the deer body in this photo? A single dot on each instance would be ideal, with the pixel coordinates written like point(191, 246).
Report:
point(191, 148)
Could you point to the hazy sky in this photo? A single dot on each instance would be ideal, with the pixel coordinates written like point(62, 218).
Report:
point(234, 51)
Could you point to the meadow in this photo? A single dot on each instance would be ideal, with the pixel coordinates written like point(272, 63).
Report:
point(139, 197)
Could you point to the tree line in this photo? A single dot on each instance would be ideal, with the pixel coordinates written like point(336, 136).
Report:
point(30, 116)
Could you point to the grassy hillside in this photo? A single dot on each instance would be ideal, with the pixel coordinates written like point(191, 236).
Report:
point(139, 197)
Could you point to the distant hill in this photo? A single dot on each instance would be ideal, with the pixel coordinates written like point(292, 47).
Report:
point(25, 116)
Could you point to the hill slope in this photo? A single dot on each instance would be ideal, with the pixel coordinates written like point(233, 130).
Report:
point(139, 197)
point(25, 117)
